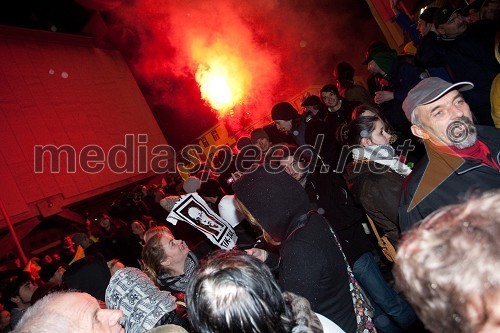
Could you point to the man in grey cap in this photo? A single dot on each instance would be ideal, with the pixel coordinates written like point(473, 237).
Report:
point(462, 158)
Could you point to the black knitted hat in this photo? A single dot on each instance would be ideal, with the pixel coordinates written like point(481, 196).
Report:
point(284, 111)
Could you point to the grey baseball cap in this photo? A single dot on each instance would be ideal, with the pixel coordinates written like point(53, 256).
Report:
point(429, 90)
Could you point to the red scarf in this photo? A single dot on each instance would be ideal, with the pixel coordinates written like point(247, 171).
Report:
point(478, 151)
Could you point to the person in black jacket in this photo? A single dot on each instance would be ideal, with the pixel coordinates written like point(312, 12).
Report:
point(311, 263)
point(468, 53)
point(306, 129)
point(461, 157)
point(329, 195)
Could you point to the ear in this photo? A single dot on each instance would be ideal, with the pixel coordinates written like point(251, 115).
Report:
point(366, 142)
point(15, 300)
point(419, 132)
point(167, 262)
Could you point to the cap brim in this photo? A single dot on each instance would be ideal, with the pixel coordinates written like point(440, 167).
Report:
point(460, 86)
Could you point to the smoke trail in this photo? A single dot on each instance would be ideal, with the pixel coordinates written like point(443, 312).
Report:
point(283, 47)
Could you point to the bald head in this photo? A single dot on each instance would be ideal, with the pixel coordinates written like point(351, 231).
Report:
point(69, 312)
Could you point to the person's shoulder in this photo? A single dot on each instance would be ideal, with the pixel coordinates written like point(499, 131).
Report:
point(488, 131)
point(411, 181)
point(483, 26)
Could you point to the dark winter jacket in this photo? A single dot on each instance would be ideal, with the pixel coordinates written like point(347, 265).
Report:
point(378, 193)
point(468, 57)
point(311, 262)
point(453, 184)
point(328, 192)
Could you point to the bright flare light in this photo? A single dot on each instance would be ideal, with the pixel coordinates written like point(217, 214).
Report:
point(215, 86)
point(222, 77)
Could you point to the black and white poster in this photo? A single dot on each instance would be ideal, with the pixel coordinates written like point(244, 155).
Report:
point(191, 208)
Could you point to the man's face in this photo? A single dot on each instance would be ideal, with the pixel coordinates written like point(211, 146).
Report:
point(104, 222)
point(26, 291)
point(67, 241)
point(447, 121)
point(283, 125)
point(293, 168)
point(330, 99)
point(263, 144)
point(84, 311)
point(374, 68)
point(424, 27)
point(455, 26)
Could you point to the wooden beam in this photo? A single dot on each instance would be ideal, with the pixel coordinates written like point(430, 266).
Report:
point(72, 216)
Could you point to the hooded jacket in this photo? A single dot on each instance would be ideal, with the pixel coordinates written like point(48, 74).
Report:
point(311, 262)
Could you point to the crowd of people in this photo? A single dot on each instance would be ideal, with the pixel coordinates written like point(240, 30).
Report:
point(415, 150)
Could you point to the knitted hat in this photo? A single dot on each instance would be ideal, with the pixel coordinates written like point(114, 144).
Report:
point(79, 238)
point(443, 14)
point(243, 142)
point(168, 202)
point(210, 188)
point(312, 100)
point(428, 14)
point(429, 90)
point(382, 54)
point(191, 184)
point(284, 111)
point(258, 133)
point(142, 303)
point(274, 200)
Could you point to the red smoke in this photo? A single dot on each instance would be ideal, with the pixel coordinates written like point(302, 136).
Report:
point(267, 50)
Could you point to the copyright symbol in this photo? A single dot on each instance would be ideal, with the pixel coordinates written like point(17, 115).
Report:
point(457, 131)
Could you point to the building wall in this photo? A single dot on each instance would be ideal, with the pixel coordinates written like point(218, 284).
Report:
point(58, 89)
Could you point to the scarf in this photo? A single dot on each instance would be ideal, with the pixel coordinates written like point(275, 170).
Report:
point(381, 154)
point(179, 283)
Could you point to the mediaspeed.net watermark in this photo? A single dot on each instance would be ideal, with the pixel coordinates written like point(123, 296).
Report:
point(135, 156)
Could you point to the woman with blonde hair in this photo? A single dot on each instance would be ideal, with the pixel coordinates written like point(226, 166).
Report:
point(169, 262)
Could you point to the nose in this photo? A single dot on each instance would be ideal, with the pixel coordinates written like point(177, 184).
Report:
point(457, 112)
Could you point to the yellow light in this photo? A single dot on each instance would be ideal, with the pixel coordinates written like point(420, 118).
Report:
point(222, 76)
point(214, 86)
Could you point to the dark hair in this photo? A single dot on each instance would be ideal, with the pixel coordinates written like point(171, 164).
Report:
point(343, 71)
point(358, 111)
point(15, 283)
point(235, 292)
point(329, 88)
point(359, 125)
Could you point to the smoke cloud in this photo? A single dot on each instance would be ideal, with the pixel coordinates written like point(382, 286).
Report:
point(277, 48)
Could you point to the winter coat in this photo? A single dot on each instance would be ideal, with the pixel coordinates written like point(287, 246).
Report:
point(378, 193)
point(453, 184)
point(328, 191)
point(311, 262)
